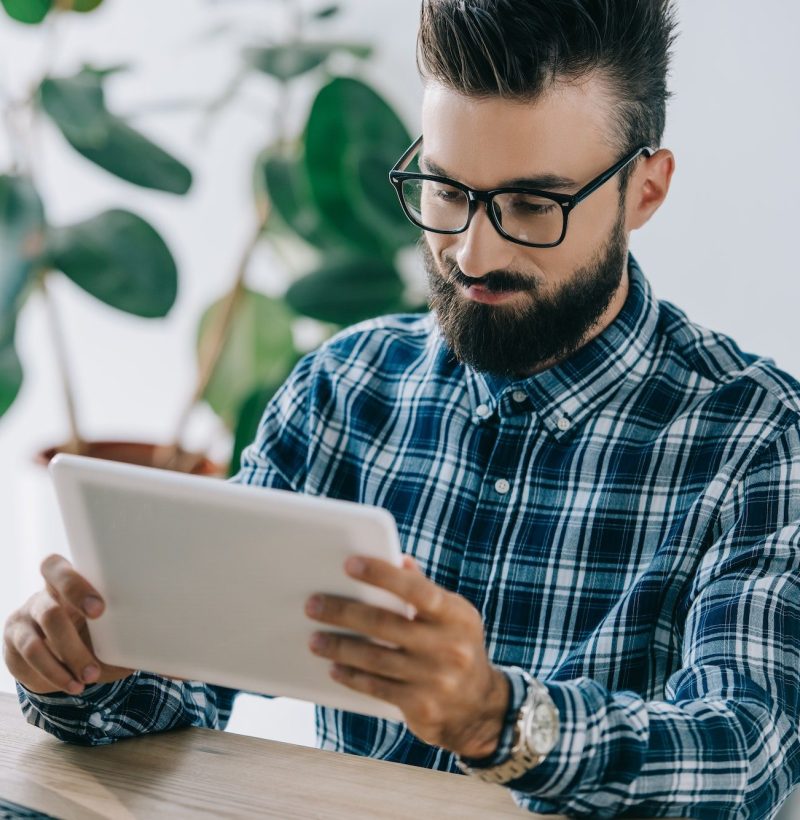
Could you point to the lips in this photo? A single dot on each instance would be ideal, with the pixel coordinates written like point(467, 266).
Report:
point(478, 293)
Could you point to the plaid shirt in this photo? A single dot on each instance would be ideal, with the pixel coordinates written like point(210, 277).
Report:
point(626, 523)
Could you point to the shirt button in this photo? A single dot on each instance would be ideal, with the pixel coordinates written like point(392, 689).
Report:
point(502, 486)
point(519, 396)
point(482, 410)
point(563, 424)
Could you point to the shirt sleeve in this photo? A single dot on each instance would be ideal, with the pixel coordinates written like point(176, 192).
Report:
point(724, 741)
point(145, 702)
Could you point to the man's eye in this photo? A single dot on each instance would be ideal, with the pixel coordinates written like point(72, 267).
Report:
point(532, 207)
point(447, 194)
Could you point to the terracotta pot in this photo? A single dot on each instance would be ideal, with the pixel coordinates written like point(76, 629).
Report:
point(130, 452)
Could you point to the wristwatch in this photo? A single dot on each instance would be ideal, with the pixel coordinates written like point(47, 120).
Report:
point(535, 734)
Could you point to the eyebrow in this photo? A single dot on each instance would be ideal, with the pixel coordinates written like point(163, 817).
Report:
point(543, 182)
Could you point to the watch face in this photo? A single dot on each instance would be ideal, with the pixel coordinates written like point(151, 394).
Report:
point(539, 729)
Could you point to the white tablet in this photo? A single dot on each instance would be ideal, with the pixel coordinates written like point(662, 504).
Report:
point(207, 580)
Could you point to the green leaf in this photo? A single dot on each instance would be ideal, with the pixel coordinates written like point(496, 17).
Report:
point(120, 259)
point(379, 205)
point(22, 227)
point(250, 415)
point(28, 11)
point(348, 290)
point(283, 179)
point(85, 5)
point(351, 127)
point(77, 106)
point(285, 62)
point(10, 369)
point(326, 12)
point(257, 352)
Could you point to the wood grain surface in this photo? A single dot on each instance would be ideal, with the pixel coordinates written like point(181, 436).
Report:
point(206, 773)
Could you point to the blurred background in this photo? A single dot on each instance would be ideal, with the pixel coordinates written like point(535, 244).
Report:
point(265, 221)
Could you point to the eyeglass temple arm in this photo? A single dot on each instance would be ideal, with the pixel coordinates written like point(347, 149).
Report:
point(406, 158)
point(614, 169)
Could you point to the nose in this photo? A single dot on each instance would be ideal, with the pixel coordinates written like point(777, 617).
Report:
point(480, 249)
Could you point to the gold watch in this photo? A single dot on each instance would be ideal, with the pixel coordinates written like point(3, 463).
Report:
point(535, 734)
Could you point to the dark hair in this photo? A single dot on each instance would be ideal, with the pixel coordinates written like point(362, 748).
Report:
point(517, 49)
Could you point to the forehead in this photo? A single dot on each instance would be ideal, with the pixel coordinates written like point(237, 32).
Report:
point(481, 141)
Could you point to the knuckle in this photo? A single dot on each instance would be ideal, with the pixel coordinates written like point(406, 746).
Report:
point(374, 656)
point(51, 617)
point(30, 647)
point(373, 686)
point(11, 657)
point(448, 683)
point(436, 602)
point(73, 589)
point(460, 656)
point(380, 619)
point(428, 712)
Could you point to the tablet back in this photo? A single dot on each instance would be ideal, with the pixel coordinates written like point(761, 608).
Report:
point(206, 580)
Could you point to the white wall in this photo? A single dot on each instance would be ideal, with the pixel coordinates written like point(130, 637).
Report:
point(723, 247)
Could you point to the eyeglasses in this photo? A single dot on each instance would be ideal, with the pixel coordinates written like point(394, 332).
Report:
point(537, 219)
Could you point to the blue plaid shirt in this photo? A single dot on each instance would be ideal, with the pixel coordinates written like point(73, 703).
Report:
point(626, 523)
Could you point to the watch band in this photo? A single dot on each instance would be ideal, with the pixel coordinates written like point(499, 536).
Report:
point(535, 734)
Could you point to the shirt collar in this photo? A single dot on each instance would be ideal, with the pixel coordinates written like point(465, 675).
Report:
point(566, 394)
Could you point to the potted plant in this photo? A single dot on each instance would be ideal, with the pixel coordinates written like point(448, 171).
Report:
point(116, 256)
point(321, 200)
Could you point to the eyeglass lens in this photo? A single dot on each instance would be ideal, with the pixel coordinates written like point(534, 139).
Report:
point(441, 207)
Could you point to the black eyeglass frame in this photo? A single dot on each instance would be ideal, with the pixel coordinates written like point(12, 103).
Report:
point(398, 175)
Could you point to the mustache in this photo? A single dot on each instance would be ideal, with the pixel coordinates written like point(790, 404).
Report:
point(495, 281)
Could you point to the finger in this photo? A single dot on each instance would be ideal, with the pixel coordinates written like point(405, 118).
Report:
point(30, 645)
point(425, 596)
point(71, 588)
point(372, 685)
point(63, 639)
point(372, 621)
point(21, 671)
point(365, 656)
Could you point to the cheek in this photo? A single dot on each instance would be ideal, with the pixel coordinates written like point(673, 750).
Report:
point(590, 223)
point(440, 244)
point(588, 230)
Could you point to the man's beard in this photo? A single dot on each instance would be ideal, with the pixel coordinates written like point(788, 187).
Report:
point(514, 340)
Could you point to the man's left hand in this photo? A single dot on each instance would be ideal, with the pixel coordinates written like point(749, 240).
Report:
point(436, 669)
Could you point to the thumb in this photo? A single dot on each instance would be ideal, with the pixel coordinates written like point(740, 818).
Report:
point(411, 563)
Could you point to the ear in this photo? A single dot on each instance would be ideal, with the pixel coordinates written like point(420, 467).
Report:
point(648, 188)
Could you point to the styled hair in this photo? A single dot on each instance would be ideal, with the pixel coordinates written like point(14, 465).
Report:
point(518, 49)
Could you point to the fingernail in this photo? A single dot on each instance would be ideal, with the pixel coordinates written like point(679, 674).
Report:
point(319, 642)
point(92, 606)
point(90, 673)
point(314, 605)
point(74, 687)
point(355, 566)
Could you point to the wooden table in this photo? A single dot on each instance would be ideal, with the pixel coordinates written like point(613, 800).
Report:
point(207, 773)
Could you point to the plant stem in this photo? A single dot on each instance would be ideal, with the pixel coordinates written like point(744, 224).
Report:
point(165, 457)
point(76, 442)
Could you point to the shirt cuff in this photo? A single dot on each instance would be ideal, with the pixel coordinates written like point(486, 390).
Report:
point(93, 694)
point(518, 686)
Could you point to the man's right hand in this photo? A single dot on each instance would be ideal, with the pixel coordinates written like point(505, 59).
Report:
point(46, 643)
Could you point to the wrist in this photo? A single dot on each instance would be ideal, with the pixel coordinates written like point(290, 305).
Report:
point(485, 736)
point(537, 731)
